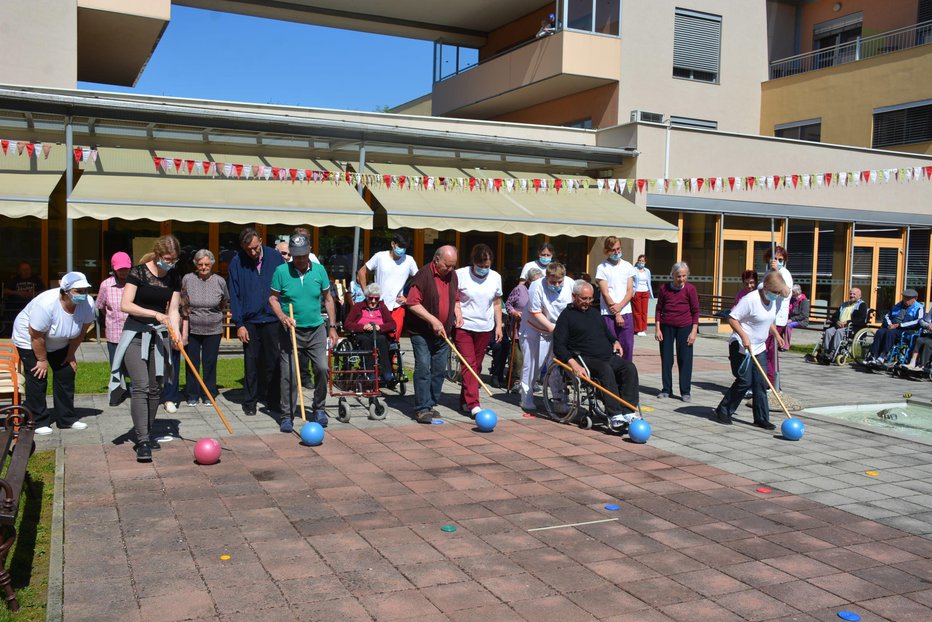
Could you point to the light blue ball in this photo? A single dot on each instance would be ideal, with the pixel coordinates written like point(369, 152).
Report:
point(486, 420)
point(793, 429)
point(639, 431)
point(312, 433)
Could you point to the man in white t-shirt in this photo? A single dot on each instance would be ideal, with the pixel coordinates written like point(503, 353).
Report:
point(615, 278)
point(47, 334)
point(392, 269)
point(547, 298)
point(752, 321)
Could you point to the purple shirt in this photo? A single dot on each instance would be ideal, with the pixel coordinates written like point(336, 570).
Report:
point(518, 299)
point(678, 308)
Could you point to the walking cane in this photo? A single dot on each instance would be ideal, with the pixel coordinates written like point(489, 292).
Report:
point(511, 360)
point(595, 384)
point(174, 337)
point(770, 384)
point(468, 366)
point(297, 365)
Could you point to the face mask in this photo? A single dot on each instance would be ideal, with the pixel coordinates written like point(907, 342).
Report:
point(76, 298)
point(639, 264)
point(399, 252)
point(615, 257)
point(481, 271)
point(164, 265)
point(554, 289)
point(770, 296)
point(544, 260)
point(779, 264)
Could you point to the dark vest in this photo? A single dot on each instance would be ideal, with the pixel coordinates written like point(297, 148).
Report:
point(424, 281)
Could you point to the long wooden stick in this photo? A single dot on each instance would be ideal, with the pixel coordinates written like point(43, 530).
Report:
point(297, 364)
point(595, 384)
point(468, 366)
point(200, 380)
point(514, 344)
point(770, 384)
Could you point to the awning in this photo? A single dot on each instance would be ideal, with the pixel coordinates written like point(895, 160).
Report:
point(134, 197)
point(577, 213)
point(26, 194)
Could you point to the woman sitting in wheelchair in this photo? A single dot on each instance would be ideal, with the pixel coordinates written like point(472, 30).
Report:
point(922, 350)
point(372, 323)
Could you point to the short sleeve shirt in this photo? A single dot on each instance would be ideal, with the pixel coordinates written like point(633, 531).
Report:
point(303, 291)
point(755, 318)
point(543, 301)
point(477, 297)
point(391, 274)
point(45, 314)
point(532, 264)
point(616, 275)
point(153, 292)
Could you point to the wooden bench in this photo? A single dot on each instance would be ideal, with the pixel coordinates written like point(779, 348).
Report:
point(16, 441)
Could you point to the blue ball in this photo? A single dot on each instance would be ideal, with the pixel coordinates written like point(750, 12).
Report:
point(486, 420)
point(312, 433)
point(639, 431)
point(792, 429)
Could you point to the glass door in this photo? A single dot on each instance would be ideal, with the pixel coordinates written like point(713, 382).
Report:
point(877, 269)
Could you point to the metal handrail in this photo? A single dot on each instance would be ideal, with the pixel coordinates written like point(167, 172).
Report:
point(853, 51)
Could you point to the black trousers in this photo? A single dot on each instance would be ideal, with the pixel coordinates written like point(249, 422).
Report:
point(364, 341)
point(675, 339)
point(747, 376)
point(500, 352)
point(62, 388)
point(619, 376)
point(884, 339)
point(203, 351)
point(261, 365)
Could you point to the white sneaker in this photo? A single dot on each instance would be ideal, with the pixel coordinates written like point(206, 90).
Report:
point(78, 425)
point(43, 431)
point(626, 418)
point(170, 407)
point(642, 334)
point(475, 410)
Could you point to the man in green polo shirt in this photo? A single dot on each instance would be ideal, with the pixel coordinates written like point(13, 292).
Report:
point(303, 285)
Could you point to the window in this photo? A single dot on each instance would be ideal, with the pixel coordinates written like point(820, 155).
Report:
point(810, 130)
point(585, 124)
point(697, 41)
point(903, 125)
point(687, 122)
point(600, 16)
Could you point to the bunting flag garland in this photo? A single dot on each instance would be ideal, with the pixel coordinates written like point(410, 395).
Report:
point(22, 147)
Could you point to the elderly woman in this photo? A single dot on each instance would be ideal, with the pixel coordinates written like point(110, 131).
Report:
point(799, 314)
point(372, 320)
point(204, 296)
point(515, 306)
point(151, 297)
point(480, 294)
point(676, 325)
point(47, 333)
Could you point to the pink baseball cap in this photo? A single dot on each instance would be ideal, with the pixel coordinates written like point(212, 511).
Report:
point(120, 260)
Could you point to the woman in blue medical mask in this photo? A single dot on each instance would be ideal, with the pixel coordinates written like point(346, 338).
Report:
point(151, 297)
point(545, 255)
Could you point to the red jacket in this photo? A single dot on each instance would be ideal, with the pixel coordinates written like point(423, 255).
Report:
point(355, 324)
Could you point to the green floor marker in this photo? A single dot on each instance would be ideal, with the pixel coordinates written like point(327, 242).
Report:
point(448, 528)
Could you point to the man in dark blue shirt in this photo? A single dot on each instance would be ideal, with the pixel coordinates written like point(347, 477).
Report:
point(580, 337)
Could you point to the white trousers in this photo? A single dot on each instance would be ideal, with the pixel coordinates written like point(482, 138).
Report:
point(537, 351)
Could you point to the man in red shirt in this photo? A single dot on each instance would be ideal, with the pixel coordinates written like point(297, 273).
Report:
point(434, 307)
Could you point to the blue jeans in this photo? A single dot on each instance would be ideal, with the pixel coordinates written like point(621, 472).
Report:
point(747, 376)
point(171, 392)
point(430, 368)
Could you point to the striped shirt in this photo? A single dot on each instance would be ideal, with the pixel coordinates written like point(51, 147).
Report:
point(109, 299)
point(203, 302)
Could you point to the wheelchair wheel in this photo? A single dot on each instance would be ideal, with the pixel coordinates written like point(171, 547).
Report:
point(565, 405)
point(841, 359)
point(343, 414)
point(376, 410)
point(454, 368)
point(585, 422)
point(861, 344)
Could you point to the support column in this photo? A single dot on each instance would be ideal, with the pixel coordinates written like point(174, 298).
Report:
point(69, 186)
point(360, 187)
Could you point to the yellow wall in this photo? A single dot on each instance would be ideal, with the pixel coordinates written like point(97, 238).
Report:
point(845, 96)
point(878, 16)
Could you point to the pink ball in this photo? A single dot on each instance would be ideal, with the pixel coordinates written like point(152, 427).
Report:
point(207, 451)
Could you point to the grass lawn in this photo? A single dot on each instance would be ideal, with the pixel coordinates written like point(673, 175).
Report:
point(29, 559)
point(93, 377)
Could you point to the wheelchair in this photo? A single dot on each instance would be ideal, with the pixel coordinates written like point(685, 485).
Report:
point(854, 346)
point(350, 377)
point(568, 399)
point(898, 357)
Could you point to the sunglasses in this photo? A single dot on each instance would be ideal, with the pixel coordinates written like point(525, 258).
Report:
point(373, 298)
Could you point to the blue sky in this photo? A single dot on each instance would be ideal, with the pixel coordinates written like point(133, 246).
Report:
point(209, 55)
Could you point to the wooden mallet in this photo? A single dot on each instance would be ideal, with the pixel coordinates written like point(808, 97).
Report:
point(595, 384)
point(770, 384)
point(297, 364)
point(177, 340)
point(468, 366)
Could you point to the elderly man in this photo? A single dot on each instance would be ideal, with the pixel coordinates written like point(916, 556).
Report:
point(249, 281)
point(853, 313)
point(433, 303)
point(301, 286)
point(904, 316)
point(582, 337)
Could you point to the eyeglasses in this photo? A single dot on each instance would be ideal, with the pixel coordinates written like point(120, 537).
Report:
point(581, 299)
point(285, 253)
point(373, 298)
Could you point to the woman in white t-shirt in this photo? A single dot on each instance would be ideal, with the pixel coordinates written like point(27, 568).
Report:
point(47, 334)
point(392, 269)
point(776, 262)
point(480, 290)
point(752, 321)
point(615, 278)
point(544, 257)
point(547, 298)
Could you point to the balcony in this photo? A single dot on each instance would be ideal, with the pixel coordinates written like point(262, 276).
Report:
point(853, 51)
point(547, 68)
point(117, 37)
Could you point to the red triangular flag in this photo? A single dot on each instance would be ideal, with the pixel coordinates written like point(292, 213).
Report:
point(30, 149)
point(178, 162)
point(537, 185)
point(190, 166)
point(158, 163)
point(387, 180)
point(865, 175)
point(293, 172)
point(795, 180)
point(642, 182)
point(401, 181)
point(557, 184)
point(828, 179)
point(472, 183)
point(928, 171)
point(776, 181)
point(498, 184)
point(5, 144)
point(424, 181)
point(731, 183)
point(206, 166)
point(699, 183)
point(237, 167)
point(751, 183)
point(77, 154)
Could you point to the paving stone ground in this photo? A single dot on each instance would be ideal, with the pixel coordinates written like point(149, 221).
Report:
point(350, 530)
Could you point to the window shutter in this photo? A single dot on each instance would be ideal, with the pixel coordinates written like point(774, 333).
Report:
point(697, 41)
point(903, 127)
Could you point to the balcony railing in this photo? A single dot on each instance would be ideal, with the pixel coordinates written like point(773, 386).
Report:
point(852, 51)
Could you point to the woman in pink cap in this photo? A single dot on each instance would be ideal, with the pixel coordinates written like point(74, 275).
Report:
point(109, 299)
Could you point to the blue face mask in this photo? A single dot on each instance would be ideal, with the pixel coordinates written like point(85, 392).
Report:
point(770, 296)
point(164, 265)
point(615, 256)
point(78, 298)
point(639, 264)
point(554, 289)
point(481, 272)
point(780, 264)
point(544, 260)
point(399, 252)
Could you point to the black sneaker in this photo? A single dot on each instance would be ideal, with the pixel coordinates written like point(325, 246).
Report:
point(143, 452)
point(154, 444)
point(765, 424)
point(249, 411)
point(424, 416)
point(722, 418)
